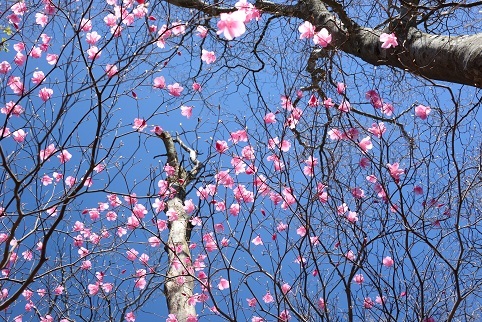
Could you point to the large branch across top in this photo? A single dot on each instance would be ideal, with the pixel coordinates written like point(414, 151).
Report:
point(455, 59)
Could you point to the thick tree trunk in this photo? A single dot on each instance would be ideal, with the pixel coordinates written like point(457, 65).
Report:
point(179, 283)
point(455, 59)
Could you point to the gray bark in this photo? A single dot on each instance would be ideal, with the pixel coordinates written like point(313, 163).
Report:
point(454, 59)
point(179, 283)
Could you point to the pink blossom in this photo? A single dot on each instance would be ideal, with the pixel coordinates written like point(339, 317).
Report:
point(41, 19)
point(388, 261)
point(19, 59)
point(36, 52)
point(52, 59)
point(270, 118)
point(232, 24)
point(422, 111)
point(196, 87)
point(159, 82)
point(38, 77)
point(344, 106)
point(69, 181)
point(64, 156)
point(285, 288)
point(252, 302)
point(94, 52)
point(202, 31)
point(171, 318)
point(175, 89)
point(221, 146)
point(284, 316)
point(365, 144)
point(352, 217)
point(380, 299)
point(387, 109)
point(321, 303)
point(389, 40)
point(350, 255)
point(11, 108)
point(208, 56)
point(19, 135)
point(45, 154)
point(418, 190)
point(223, 284)
point(86, 25)
point(130, 317)
point(395, 171)
point(111, 70)
point(5, 67)
point(358, 193)
point(378, 129)
point(16, 85)
point(257, 241)
point(322, 38)
point(249, 10)
point(367, 303)
point(358, 279)
point(374, 98)
point(307, 30)
point(139, 124)
point(59, 290)
point(268, 298)
point(186, 111)
point(45, 94)
point(239, 136)
point(301, 231)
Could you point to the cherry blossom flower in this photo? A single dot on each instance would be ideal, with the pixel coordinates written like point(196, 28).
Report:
point(16, 85)
point(178, 28)
point(11, 108)
point(196, 87)
point(52, 59)
point(344, 106)
point(175, 89)
point(221, 146)
point(111, 70)
point(358, 279)
point(268, 298)
point(38, 77)
point(94, 53)
point(387, 109)
point(92, 37)
point(374, 98)
point(36, 52)
point(389, 40)
point(307, 30)
point(202, 31)
point(232, 24)
point(130, 317)
point(321, 303)
point(378, 129)
point(342, 209)
point(365, 144)
point(367, 303)
point(249, 10)
point(208, 56)
point(257, 241)
point(388, 261)
point(270, 118)
point(223, 284)
point(352, 217)
point(418, 190)
point(139, 124)
point(252, 302)
point(86, 25)
point(422, 111)
point(186, 111)
point(322, 38)
point(19, 135)
point(64, 156)
point(45, 154)
point(45, 94)
point(5, 67)
point(284, 315)
point(41, 19)
point(395, 171)
point(285, 288)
